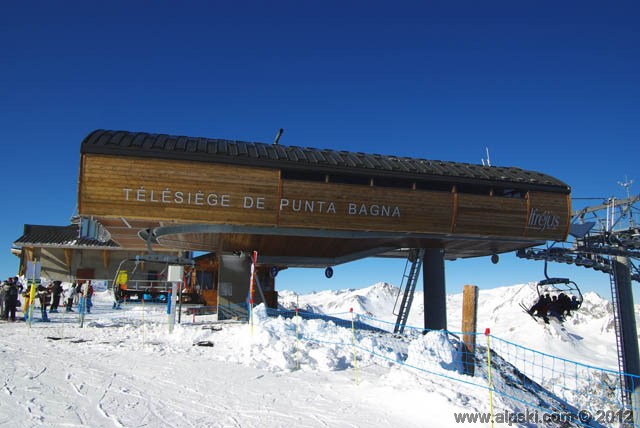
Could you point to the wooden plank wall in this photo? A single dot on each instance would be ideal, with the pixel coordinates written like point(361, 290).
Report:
point(549, 216)
point(364, 207)
point(183, 191)
point(194, 191)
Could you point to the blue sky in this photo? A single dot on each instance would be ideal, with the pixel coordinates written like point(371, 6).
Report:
point(548, 86)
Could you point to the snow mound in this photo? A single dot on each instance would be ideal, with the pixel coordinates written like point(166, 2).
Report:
point(437, 348)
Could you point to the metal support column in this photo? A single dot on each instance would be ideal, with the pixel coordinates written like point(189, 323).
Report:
point(435, 293)
point(628, 332)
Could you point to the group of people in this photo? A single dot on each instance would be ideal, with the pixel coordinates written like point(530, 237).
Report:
point(559, 306)
point(9, 292)
point(51, 295)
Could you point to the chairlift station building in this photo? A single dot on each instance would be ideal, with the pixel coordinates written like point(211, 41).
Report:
point(311, 207)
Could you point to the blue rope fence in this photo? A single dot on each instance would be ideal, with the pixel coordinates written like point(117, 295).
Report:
point(524, 378)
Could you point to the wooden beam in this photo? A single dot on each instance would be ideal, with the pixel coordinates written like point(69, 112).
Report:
point(469, 324)
point(105, 259)
point(68, 258)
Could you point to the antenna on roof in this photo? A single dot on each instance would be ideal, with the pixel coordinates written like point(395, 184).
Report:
point(486, 162)
point(627, 183)
point(278, 136)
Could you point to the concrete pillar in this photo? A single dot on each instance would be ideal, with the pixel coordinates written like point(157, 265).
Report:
point(435, 295)
point(628, 332)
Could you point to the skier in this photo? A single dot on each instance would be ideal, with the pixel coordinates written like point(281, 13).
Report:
point(2, 298)
point(71, 292)
point(118, 296)
point(43, 296)
point(88, 297)
point(541, 307)
point(18, 284)
point(56, 291)
point(11, 300)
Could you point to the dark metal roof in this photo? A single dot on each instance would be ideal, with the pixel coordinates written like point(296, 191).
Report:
point(58, 236)
point(142, 144)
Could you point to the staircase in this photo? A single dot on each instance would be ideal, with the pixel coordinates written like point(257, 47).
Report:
point(409, 281)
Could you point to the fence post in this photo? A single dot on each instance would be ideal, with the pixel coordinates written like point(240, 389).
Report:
point(143, 324)
point(469, 322)
point(297, 344)
point(353, 339)
point(254, 261)
point(487, 333)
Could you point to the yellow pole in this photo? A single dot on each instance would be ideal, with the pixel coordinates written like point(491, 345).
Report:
point(32, 303)
point(487, 333)
point(353, 340)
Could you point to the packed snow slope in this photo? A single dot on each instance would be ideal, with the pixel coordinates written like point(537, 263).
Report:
point(125, 369)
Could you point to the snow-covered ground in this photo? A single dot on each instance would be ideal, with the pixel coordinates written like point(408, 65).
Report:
point(124, 368)
point(589, 336)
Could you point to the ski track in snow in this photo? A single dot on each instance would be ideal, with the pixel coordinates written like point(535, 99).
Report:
point(91, 383)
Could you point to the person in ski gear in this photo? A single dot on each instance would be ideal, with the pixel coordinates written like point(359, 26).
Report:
point(118, 296)
point(18, 284)
point(78, 295)
point(56, 292)
point(563, 305)
point(43, 296)
point(11, 300)
point(2, 297)
point(71, 292)
point(573, 305)
point(88, 297)
point(555, 307)
point(541, 307)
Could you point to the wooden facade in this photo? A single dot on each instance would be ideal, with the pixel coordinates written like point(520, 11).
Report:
point(303, 207)
point(148, 192)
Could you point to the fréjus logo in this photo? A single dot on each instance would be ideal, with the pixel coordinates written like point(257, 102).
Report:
point(543, 221)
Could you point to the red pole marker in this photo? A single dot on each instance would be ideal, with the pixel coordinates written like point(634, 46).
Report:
point(350, 309)
point(487, 331)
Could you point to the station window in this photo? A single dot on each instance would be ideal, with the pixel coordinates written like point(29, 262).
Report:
point(205, 280)
point(350, 179)
point(474, 189)
point(393, 182)
point(302, 175)
point(402, 183)
point(438, 186)
point(510, 193)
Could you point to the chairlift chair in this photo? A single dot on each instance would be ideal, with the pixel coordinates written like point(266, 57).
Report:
point(556, 286)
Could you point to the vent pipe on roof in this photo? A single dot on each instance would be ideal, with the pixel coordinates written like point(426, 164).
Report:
point(486, 162)
point(278, 136)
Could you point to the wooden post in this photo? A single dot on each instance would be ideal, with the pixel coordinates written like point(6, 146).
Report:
point(469, 322)
point(105, 259)
point(68, 257)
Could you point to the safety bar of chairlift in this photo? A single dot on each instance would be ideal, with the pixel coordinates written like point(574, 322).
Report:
point(548, 281)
